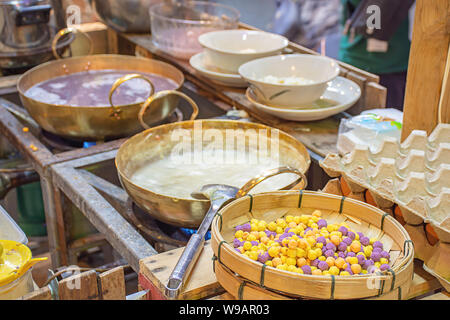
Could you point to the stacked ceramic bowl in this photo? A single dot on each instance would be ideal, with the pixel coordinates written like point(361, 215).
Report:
point(225, 51)
point(296, 87)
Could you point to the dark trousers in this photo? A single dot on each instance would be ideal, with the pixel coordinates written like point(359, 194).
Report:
point(396, 87)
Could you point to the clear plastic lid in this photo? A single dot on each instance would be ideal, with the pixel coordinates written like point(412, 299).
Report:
point(9, 230)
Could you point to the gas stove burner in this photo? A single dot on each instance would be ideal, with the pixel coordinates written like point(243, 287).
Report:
point(154, 230)
point(64, 144)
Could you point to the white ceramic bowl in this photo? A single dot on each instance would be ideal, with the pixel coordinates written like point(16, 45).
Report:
point(318, 70)
point(341, 95)
point(229, 49)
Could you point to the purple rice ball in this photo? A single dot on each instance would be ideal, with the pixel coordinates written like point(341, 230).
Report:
point(237, 249)
point(385, 254)
point(322, 223)
point(342, 246)
point(343, 230)
point(331, 246)
point(322, 240)
point(377, 244)
point(246, 227)
point(377, 249)
point(351, 254)
point(286, 230)
point(365, 241)
point(375, 256)
point(348, 241)
point(360, 258)
point(307, 229)
point(237, 228)
point(237, 243)
point(349, 269)
point(360, 234)
point(342, 254)
point(268, 233)
point(323, 265)
point(315, 262)
point(263, 257)
point(306, 269)
point(384, 267)
point(284, 235)
point(329, 253)
point(255, 243)
point(368, 263)
point(351, 235)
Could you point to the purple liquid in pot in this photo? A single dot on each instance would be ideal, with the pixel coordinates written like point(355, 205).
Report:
point(91, 88)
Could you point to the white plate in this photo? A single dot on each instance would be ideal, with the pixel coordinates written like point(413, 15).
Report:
point(342, 92)
point(216, 76)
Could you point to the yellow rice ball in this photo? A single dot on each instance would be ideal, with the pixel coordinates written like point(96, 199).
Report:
point(352, 260)
point(254, 227)
point(273, 251)
point(301, 253)
point(269, 263)
point(292, 253)
point(316, 272)
point(299, 270)
point(291, 261)
point(282, 267)
point(325, 273)
point(276, 262)
point(344, 273)
point(262, 226)
point(322, 258)
point(251, 237)
point(312, 255)
point(279, 230)
point(330, 261)
point(289, 218)
point(238, 234)
point(356, 268)
point(291, 268)
point(319, 245)
point(283, 259)
point(301, 262)
point(272, 226)
point(334, 270)
point(372, 240)
point(297, 219)
point(247, 245)
point(378, 264)
point(253, 255)
point(384, 261)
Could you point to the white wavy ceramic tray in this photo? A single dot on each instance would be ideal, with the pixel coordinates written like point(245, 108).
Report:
point(414, 174)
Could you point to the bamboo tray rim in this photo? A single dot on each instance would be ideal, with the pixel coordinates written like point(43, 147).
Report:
point(404, 262)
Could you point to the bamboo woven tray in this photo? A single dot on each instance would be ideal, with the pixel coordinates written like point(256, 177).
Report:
point(360, 216)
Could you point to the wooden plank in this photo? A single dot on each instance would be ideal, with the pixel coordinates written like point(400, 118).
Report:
point(112, 284)
point(428, 58)
point(361, 82)
point(39, 294)
point(437, 296)
point(422, 282)
point(202, 282)
point(375, 96)
point(79, 287)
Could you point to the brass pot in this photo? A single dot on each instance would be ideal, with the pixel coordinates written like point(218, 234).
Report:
point(107, 122)
point(157, 143)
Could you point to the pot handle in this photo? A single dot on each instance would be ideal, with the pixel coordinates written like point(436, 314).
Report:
point(116, 110)
point(66, 31)
point(162, 94)
point(269, 174)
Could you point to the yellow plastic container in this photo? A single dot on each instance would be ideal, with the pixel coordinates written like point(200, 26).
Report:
point(15, 269)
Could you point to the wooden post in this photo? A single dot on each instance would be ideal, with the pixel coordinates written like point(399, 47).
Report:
point(426, 72)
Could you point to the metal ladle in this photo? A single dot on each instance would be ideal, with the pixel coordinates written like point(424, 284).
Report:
point(219, 195)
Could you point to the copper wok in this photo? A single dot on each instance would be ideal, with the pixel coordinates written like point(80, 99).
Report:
point(105, 122)
point(157, 143)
